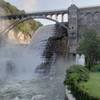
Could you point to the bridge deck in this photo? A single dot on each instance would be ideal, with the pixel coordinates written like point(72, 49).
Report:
point(42, 13)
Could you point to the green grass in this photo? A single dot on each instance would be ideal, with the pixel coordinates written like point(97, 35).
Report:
point(92, 86)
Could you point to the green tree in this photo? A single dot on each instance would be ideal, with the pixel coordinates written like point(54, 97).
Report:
point(90, 47)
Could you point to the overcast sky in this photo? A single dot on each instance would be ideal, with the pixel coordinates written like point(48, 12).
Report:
point(39, 5)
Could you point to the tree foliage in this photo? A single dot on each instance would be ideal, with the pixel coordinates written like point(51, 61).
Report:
point(90, 47)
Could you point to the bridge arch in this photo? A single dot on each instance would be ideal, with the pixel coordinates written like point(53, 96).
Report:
point(13, 25)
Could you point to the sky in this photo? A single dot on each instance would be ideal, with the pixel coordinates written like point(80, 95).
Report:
point(42, 5)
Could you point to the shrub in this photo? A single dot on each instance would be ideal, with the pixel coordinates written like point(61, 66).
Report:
point(76, 74)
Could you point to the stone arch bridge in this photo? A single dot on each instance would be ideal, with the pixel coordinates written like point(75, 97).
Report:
point(78, 20)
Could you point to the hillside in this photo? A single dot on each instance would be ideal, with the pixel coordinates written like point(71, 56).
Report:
point(24, 31)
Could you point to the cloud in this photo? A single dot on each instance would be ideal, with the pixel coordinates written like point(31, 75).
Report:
point(28, 5)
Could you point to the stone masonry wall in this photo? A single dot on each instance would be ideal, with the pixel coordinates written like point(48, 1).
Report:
point(79, 20)
point(89, 18)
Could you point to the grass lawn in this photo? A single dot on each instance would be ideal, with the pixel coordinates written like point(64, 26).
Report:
point(92, 86)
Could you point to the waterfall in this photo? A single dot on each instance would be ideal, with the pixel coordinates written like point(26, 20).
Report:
point(18, 79)
point(21, 62)
point(80, 59)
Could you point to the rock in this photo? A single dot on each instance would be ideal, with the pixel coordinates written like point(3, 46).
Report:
point(19, 37)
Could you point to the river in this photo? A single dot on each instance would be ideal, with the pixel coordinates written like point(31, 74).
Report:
point(18, 77)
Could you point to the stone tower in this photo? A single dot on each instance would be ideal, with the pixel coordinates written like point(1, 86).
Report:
point(73, 28)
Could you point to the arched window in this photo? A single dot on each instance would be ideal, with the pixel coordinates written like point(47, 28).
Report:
point(89, 18)
point(97, 17)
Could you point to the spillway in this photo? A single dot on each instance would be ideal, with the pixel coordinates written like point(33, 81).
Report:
point(18, 77)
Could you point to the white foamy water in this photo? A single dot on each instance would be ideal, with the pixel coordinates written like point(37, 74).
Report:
point(23, 61)
point(18, 81)
point(80, 59)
